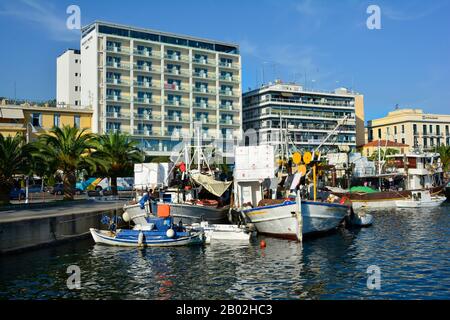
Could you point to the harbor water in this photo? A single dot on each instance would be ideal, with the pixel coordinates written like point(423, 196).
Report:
point(410, 247)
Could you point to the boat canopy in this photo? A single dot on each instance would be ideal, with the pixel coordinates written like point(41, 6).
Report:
point(217, 188)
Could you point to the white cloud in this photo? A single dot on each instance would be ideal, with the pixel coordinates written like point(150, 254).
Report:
point(411, 12)
point(43, 15)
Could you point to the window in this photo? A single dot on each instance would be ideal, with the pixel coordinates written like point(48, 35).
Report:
point(438, 130)
point(403, 140)
point(424, 131)
point(56, 119)
point(76, 88)
point(431, 129)
point(403, 128)
point(395, 129)
point(76, 74)
point(379, 133)
point(76, 121)
point(415, 129)
point(36, 119)
point(76, 60)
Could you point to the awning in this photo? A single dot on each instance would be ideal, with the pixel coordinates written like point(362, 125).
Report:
point(217, 188)
point(10, 113)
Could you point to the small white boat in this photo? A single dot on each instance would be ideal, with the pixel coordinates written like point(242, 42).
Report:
point(283, 220)
point(360, 219)
point(223, 232)
point(159, 232)
point(421, 199)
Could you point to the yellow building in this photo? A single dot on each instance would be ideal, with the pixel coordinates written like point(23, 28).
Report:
point(412, 127)
point(33, 120)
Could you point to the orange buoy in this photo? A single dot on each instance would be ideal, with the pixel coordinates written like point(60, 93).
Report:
point(262, 244)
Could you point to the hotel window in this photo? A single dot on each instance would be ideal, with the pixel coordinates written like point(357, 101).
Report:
point(379, 133)
point(56, 119)
point(395, 129)
point(415, 129)
point(438, 130)
point(424, 131)
point(446, 131)
point(36, 119)
point(431, 129)
point(76, 121)
point(403, 128)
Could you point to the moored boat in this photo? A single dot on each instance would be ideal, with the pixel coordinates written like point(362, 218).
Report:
point(159, 232)
point(420, 199)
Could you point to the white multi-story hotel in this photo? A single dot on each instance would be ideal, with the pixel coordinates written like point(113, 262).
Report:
point(154, 85)
point(68, 78)
point(308, 116)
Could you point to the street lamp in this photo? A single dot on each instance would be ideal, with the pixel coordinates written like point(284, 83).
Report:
point(33, 130)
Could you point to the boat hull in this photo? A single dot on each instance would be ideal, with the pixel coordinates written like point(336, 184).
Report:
point(436, 202)
point(190, 214)
point(108, 238)
point(282, 220)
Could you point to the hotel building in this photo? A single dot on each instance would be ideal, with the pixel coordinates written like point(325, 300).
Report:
point(68, 78)
point(412, 127)
point(155, 86)
point(309, 116)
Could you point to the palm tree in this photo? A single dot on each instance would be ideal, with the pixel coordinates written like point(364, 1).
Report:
point(444, 152)
point(116, 153)
point(67, 149)
point(15, 159)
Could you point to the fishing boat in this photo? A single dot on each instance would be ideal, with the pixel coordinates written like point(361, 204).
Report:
point(401, 176)
point(421, 199)
point(157, 232)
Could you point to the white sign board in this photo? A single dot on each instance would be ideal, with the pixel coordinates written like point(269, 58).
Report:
point(150, 175)
point(254, 163)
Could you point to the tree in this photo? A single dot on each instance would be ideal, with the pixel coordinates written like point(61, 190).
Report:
point(67, 149)
point(444, 152)
point(15, 158)
point(117, 153)
point(383, 154)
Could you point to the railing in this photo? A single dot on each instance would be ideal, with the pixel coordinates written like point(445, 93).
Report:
point(143, 84)
point(204, 75)
point(229, 93)
point(117, 98)
point(204, 90)
point(144, 53)
point(117, 81)
point(145, 68)
point(203, 105)
point(225, 107)
point(149, 117)
point(326, 103)
point(117, 115)
point(108, 131)
point(175, 57)
point(124, 50)
point(305, 114)
point(228, 65)
point(175, 103)
point(201, 61)
point(118, 65)
point(228, 78)
point(176, 72)
point(176, 118)
point(143, 100)
point(174, 87)
point(228, 122)
point(205, 120)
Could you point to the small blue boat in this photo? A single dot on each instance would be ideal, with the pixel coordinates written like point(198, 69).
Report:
point(159, 232)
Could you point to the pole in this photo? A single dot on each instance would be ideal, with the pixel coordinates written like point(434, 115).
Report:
point(26, 178)
point(314, 182)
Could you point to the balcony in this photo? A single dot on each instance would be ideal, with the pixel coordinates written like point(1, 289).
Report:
point(117, 98)
point(174, 57)
point(117, 82)
point(143, 84)
point(310, 102)
point(204, 90)
point(228, 79)
point(228, 93)
point(118, 65)
point(174, 87)
point(204, 105)
point(204, 62)
point(115, 49)
point(175, 133)
point(146, 68)
point(147, 117)
point(147, 54)
point(206, 120)
point(145, 132)
point(176, 118)
point(228, 65)
point(175, 103)
point(176, 72)
point(111, 130)
point(204, 75)
point(117, 115)
point(228, 107)
point(229, 122)
point(144, 100)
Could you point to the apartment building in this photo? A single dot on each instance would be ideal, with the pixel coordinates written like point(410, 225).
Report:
point(309, 116)
point(156, 85)
point(68, 78)
point(412, 127)
point(33, 120)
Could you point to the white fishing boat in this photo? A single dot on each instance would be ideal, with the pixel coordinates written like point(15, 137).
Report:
point(224, 232)
point(421, 199)
point(284, 221)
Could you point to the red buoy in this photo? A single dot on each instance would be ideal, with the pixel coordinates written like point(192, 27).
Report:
point(262, 244)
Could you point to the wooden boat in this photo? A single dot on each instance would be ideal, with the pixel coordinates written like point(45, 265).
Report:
point(159, 232)
point(282, 220)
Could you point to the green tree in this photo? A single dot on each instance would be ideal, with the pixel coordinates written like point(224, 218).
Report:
point(383, 153)
point(15, 158)
point(117, 153)
point(67, 149)
point(444, 152)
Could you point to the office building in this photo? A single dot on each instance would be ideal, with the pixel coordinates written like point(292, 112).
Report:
point(309, 116)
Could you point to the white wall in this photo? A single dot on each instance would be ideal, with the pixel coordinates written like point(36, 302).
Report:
point(89, 79)
point(67, 65)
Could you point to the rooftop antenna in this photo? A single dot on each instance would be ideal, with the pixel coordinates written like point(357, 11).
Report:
point(397, 106)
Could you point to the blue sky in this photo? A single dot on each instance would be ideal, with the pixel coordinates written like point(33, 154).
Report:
point(326, 42)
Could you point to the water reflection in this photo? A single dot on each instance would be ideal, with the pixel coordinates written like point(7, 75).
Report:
point(410, 247)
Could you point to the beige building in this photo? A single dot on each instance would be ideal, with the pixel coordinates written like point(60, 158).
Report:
point(412, 127)
point(369, 148)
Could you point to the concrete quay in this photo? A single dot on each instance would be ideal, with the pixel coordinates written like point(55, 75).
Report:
point(26, 228)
